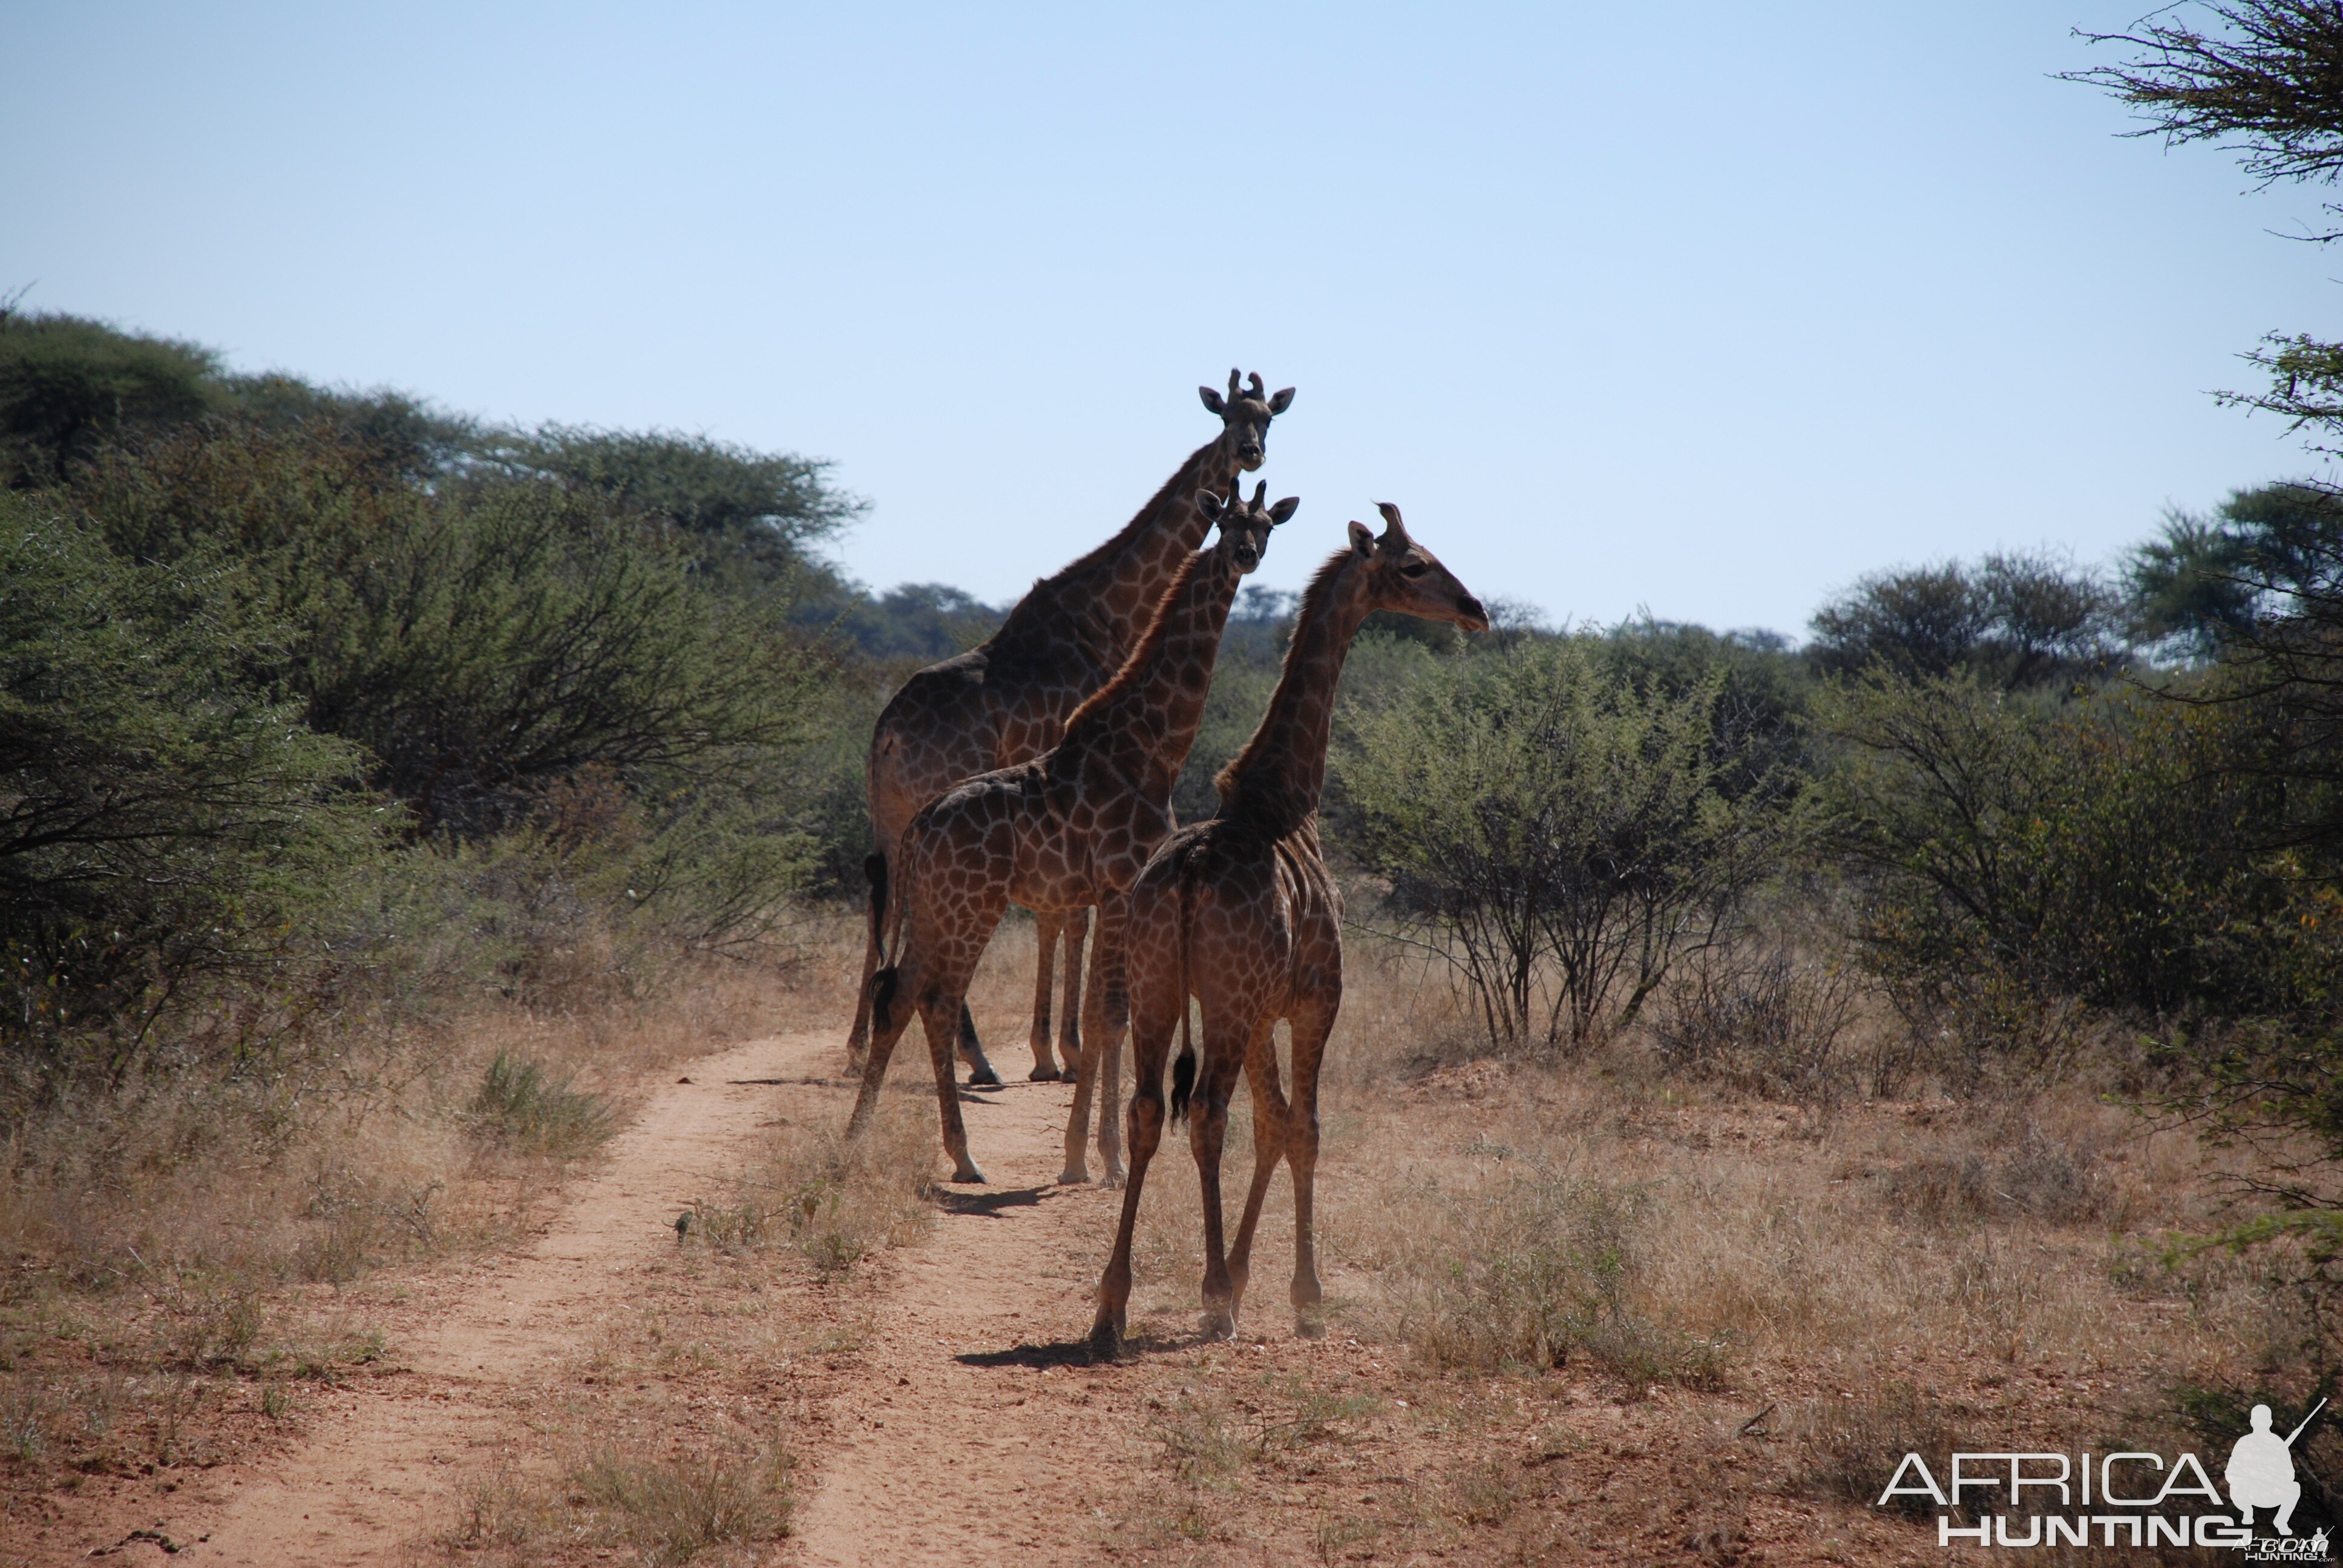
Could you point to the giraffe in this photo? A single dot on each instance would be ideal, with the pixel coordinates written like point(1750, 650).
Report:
point(1007, 700)
point(1069, 830)
point(1241, 912)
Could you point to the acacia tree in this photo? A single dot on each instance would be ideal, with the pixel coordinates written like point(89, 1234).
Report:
point(2265, 80)
point(1557, 833)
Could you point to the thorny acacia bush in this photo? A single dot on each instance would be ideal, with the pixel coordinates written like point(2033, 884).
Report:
point(2026, 865)
point(1761, 1020)
point(1560, 834)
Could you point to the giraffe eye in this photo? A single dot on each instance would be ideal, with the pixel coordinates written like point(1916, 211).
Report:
point(1412, 569)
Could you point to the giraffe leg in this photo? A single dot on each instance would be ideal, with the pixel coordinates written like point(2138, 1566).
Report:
point(1269, 1134)
point(1114, 1018)
point(1153, 1023)
point(857, 1038)
point(1101, 1069)
point(980, 1074)
point(940, 1013)
point(1046, 928)
point(1208, 1126)
point(1070, 1022)
point(1313, 1020)
point(887, 1026)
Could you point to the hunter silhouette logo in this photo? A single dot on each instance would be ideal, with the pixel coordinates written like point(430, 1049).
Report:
point(2261, 1471)
point(2124, 1499)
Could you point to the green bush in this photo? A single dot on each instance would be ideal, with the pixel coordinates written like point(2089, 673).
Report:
point(1558, 833)
point(2017, 857)
point(168, 830)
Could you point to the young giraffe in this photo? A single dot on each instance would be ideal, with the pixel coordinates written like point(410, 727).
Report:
point(1067, 830)
point(1006, 700)
point(1241, 912)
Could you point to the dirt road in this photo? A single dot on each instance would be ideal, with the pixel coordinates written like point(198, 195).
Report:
point(970, 1429)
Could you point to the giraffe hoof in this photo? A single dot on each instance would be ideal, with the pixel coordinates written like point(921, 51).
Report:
point(1220, 1323)
point(984, 1078)
point(1106, 1340)
point(1074, 1176)
point(1041, 1074)
point(969, 1174)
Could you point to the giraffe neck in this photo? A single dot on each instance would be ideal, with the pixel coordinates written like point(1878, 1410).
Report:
point(1107, 599)
point(1275, 782)
point(1145, 719)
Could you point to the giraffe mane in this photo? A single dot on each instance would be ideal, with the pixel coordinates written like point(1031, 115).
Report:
point(1317, 600)
point(1158, 628)
point(1140, 520)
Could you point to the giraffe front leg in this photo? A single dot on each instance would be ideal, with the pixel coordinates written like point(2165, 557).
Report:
point(1069, 1021)
point(858, 1036)
point(1114, 1287)
point(941, 1017)
point(1046, 929)
point(1108, 1003)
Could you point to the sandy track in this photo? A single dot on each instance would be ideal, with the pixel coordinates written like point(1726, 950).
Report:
point(971, 1428)
point(379, 1470)
point(977, 1432)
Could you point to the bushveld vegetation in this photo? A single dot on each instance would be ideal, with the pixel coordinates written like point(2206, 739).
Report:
point(345, 741)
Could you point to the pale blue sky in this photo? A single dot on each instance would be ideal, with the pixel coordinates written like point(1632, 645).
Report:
point(1703, 308)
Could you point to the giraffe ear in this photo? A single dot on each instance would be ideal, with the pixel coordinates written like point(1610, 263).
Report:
point(1209, 505)
point(1283, 509)
point(1212, 401)
point(1281, 401)
point(1363, 541)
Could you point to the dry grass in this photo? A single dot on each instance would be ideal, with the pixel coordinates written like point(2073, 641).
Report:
point(1613, 1312)
point(178, 1258)
point(834, 1202)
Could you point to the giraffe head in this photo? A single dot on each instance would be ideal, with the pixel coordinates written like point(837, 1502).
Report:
point(1404, 575)
point(1244, 419)
point(1244, 525)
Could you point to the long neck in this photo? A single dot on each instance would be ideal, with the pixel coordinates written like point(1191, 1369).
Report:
point(1275, 782)
point(1148, 716)
point(1109, 595)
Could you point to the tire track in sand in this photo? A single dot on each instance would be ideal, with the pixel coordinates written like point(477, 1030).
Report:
point(968, 1429)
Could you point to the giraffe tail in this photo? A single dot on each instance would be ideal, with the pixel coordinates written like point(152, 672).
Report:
point(1183, 1068)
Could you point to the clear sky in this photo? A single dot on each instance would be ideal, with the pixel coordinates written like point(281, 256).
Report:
point(1702, 307)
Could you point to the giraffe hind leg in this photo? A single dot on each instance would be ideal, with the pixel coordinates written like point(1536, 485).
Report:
point(980, 1072)
point(1046, 930)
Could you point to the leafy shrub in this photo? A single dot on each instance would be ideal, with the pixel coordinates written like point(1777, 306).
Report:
point(2013, 857)
point(1559, 835)
point(169, 830)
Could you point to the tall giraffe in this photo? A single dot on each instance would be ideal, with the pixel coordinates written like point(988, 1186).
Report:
point(1006, 700)
point(1241, 912)
point(1067, 830)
